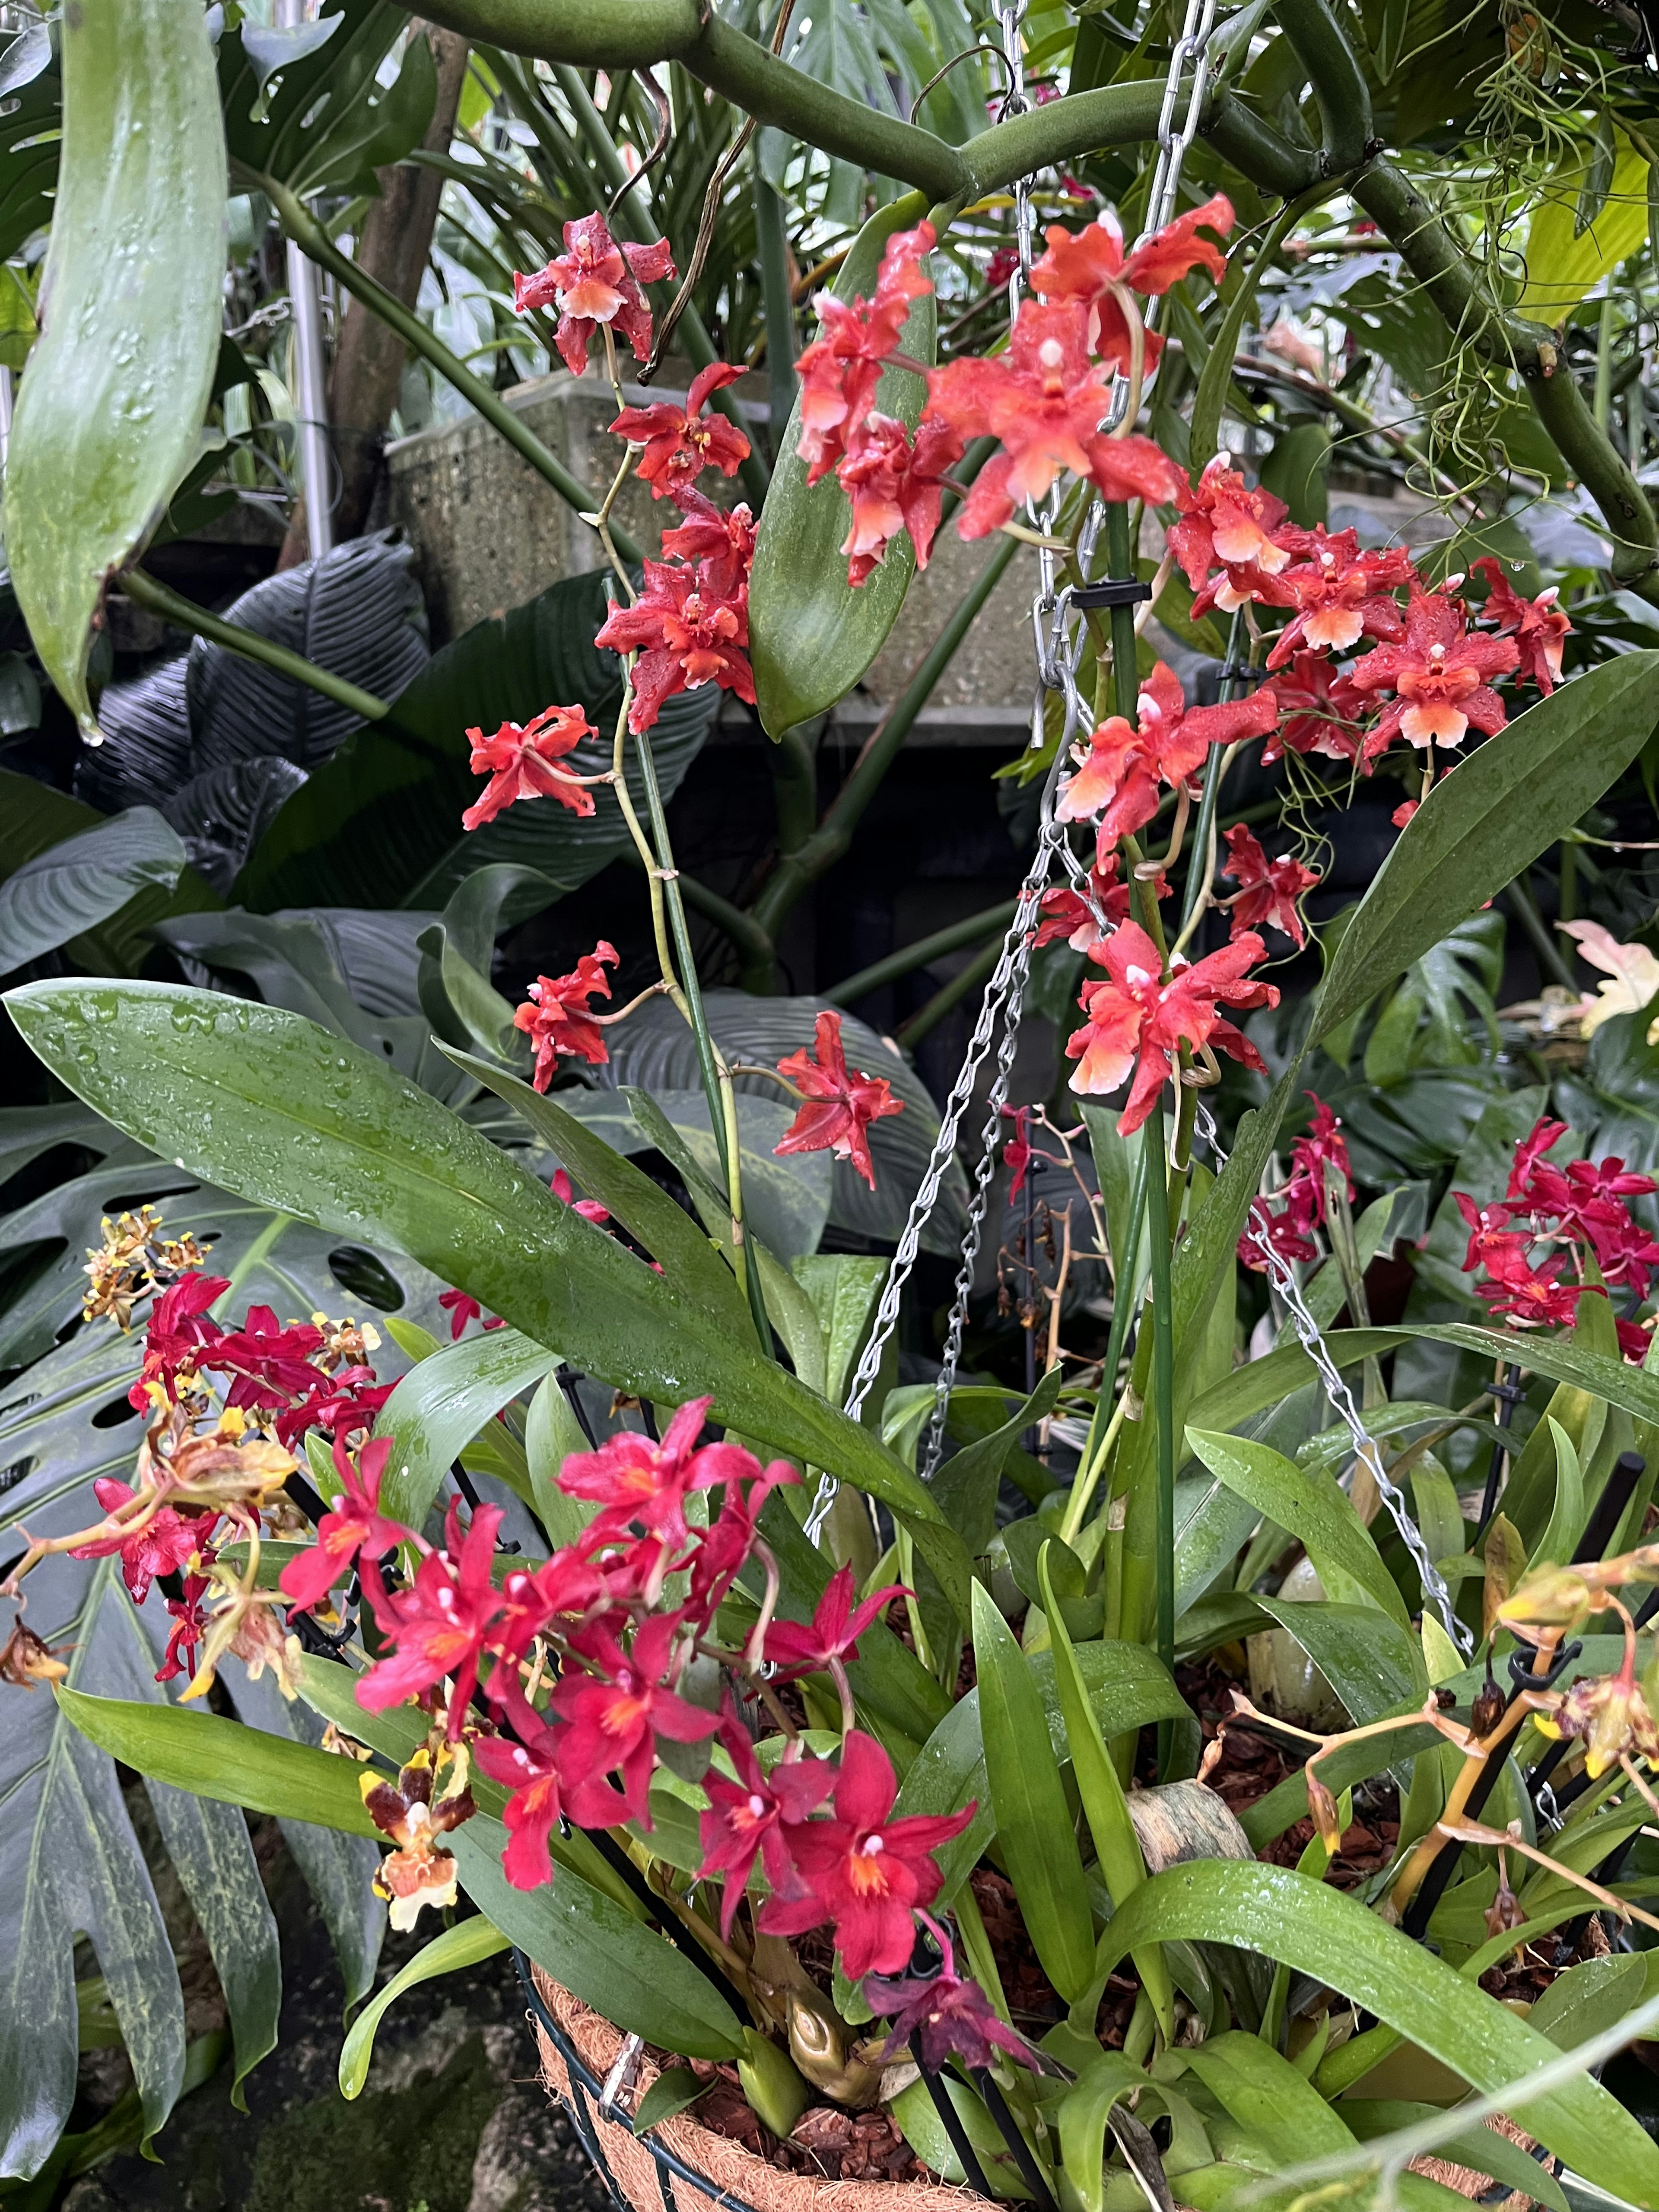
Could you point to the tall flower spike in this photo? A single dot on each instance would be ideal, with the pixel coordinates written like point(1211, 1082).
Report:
point(1121, 768)
point(557, 1016)
point(837, 1106)
point(593, 281)
point(689, 627)
point(681, 442)
point(523, 763)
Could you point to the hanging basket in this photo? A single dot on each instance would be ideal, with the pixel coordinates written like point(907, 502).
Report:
point(682, 2166)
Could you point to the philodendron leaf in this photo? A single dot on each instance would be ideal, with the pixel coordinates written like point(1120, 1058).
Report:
point(1317, 1930)
point(467, 1944)
point(111, 410)
point(811, 635)
point(74, 886)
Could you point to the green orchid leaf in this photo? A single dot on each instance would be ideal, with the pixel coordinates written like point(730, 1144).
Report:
point(442, 1404)
point(1482, 2150)
point(1315, 1930)
point(1315, 1511)
point(110, 414)
point(1283, 2116)
point(1084, 2115)
point(467, 1944)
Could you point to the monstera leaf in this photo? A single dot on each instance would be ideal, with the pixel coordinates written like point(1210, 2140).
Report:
point(310, 110)
point(654, 1051)
point(70, 1861)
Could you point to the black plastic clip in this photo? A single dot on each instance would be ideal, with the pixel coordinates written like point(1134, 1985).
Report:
point(1111, 592)
point(1521, 1672)
point(1240, 671)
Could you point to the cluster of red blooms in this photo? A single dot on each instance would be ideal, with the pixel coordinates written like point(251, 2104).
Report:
point(1288, 1218)
point(1560, 1214)
point(459, 1638)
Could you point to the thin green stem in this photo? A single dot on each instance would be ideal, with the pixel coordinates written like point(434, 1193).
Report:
point(905, 961)
point(778, 305)
point(1519, 899)
point(144, 591)
point(927, 1018)
point(1603, 400)
point(1158, 1213)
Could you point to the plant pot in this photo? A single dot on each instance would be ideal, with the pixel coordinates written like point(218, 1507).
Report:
point(682, 2166)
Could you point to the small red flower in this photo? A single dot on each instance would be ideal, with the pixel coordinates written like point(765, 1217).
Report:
point(1122, 768)
point(681, 442)
point(529, 1767)
point(557, 1018)
point(1539, 627)
point(747, 1817)
point(589, 1208)
point(688, 629)
point(1340, 595)
point(595, 281)
point(159, 1548)
point(439, 1626)
point(179, 1326)
point(522, 763)
point(1085, 265)
point(863, 1871)
point(893, 485)
point(1224, 524)
point(832, 1637)
point(616, 1714)
point(1403, 813)
point(1321, 711)
point(840, 370)
point(188, 1630)
point(640, 1483)
point(1438, 675)
point(270, 1364)
point(721, 542)
point(1135, 1022)
point(953, 2018)
point(353, 1526)
point(1267, 890)
point(461, 1308)
point(837, 1106)
point(1017, 1152)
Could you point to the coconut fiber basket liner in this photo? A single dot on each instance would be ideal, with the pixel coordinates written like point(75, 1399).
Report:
point(682, 2166)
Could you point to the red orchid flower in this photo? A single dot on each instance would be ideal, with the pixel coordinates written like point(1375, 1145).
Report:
point(616, 1714)
point(521, 763)
point(1538, 626)
point(861, 1870)
point(1300, 1202)
point(162, 1546)
point(1044, 402)
point(1122, 768)
point(270, 1364)
point(638, 1483)
point(1224, 524)
point(561, 1589)
point(439, 1625)
point(747, 1818)
point(1493, 1245)
point(189, 1626)
point(595, 281)
point(687, 632)
point(1066, 912)
point(462, 1308)
point(1136, 1022)
point(893, 485)
point(557, 1018)
point(353, 1526)
point(840, 370)
point(179, 1326)
point(720, 541)
point(1083, 265)
point(1531, 1298)
point(565, 1191)
point(837, 1106)
point(727, 1545)
point(1321, 711)
point(1268, 889)
point(341, 1403)
point(1438, 675)
point(529, 1767)
point(681, 442)
point(1017, 1152)
point(832, 1638)
point(1340, 595)
point(952, 2017)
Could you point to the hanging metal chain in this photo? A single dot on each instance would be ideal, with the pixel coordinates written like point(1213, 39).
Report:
point(1191, 46)
point(1282, 1276)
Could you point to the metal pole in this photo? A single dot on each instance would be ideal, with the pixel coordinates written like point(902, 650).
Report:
point(5, 415)
point(310, 383)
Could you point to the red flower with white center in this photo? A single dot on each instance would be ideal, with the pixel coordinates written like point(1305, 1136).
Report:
point(439, 1625)
point(1268, 889)
point(638, 1483)
point(1438, 675)
point(595, 281)
point(560, 1591)
point(1539, 627)
point(893, 485)
point(523, 763)
point(1534, 1297)
point(1066, 913)
point(179, 1326)
point(557, 1018)
point(340, 1403)
point(1085, 265)
point(1339, 594)
point(529, 1767)
point(160, 1547)
point(840, 370)
point(1043, 401)
point(1224, 524)
point(681, 442)
point(861, 1870)
point(721, 542)
point(747, 1817)
point(1493, 1245)
point(353, 1526)
point(832, 1637)
point(1321, 711)
point(1136, 1022)
point(837, 1106)
point(687, 632)
point(589, 1208)
point(1121, 768)
point(615, 1715)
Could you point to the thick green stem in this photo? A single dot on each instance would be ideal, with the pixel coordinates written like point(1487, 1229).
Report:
point(794, 788)
point(144, 591)
point(798, 871)
point(905, 961)
point(634, 216)
point(747, 935)
point(1157, 1224)
point(1323, 46)
point(1555, 968)
point(315, 242)
point(927, 1018)
point(1126, 682)
point(777, 303)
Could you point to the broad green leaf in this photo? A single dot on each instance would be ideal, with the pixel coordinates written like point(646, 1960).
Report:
point(1590, 1998)
point(811, 635)
point(223, 1760)
point(257, 1096)
point(1033, 1824)
point(110, 412)
point(966, 1485)
point(919, 2122)
point(1283, 2114)
point(1565, 258)
point(845, 1291)
point(1318, 1930)
point(1262, 1383)
point(1566, 1521)
point(74, 886)
point(1314, 1510)
point(441, 1405)
point(604, 1955)
point(467, 1944)
point(1084, 2115)
point(1481, 825)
